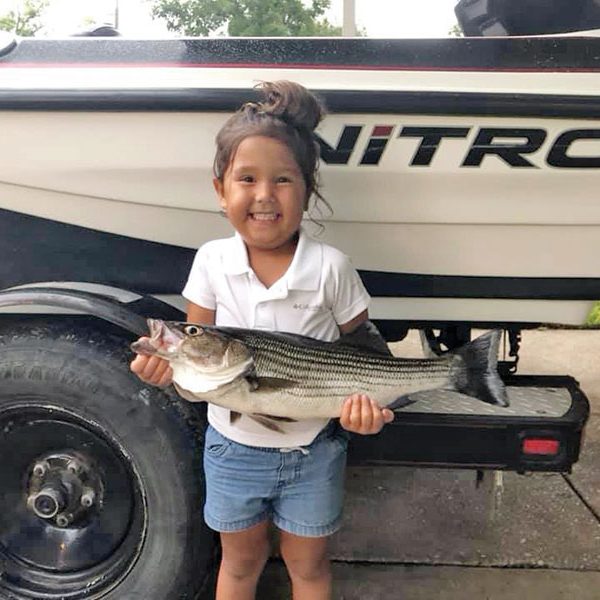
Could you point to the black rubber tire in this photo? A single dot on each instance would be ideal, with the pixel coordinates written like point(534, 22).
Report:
point(85, 370)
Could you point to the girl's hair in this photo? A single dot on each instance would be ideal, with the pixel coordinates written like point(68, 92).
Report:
point(289, 113)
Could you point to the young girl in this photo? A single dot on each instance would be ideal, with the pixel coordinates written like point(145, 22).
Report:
point(272, 275)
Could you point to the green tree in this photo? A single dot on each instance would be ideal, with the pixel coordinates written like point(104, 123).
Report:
point(245, 17)
point(593, 317)
point(456, 31)
point(26, 19)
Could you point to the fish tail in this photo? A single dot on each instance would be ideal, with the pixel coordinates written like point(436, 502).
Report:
point(474, 370)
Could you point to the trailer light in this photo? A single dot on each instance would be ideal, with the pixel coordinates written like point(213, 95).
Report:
point(540, 446)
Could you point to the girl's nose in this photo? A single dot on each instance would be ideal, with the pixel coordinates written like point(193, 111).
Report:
point(264, 191)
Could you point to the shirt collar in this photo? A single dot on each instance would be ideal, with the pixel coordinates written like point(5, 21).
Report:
point(235, 261)
point(304, 273)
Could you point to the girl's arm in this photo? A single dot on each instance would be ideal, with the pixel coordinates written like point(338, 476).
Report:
point(199, 314)
point(360, 414)
point(351, 325)
point(155, 370)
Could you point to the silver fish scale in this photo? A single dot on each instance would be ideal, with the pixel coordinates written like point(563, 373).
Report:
point(524, 402)
point(328, 372)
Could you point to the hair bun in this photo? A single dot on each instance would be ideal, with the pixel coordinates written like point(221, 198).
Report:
point(292, 103)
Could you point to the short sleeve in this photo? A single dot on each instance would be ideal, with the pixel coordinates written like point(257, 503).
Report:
point(350, 296)
point(199, 288)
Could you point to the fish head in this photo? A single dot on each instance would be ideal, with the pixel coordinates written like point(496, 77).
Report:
point(206, 349)
point(209, 349)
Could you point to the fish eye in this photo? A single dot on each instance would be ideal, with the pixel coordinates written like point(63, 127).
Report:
point(193, 330)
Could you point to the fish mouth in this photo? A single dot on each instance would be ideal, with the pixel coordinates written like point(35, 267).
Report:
point(164, 339)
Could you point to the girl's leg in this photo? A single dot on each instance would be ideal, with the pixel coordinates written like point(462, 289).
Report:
point(244, 556)
point(308, 566)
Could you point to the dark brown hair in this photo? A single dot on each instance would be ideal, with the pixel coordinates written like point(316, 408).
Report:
point(289, 113)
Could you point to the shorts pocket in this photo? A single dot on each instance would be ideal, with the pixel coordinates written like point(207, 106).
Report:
point(217, 450)
point(216, 444)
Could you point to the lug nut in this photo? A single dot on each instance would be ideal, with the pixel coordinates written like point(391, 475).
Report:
point(88, 497)
point(63, 520)
point(39, 470)
point(73, 466)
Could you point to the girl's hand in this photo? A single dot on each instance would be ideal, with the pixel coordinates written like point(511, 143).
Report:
point(152, 370)
point(362, 415)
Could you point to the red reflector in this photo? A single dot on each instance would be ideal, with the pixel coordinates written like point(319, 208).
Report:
point(540, 446)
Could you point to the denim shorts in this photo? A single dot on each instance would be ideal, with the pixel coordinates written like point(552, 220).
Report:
point(301, 490)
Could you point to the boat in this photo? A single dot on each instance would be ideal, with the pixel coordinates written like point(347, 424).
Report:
point(462, 172)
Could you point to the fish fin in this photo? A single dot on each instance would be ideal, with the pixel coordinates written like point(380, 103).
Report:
point(365, 337)
point(234, 416)
point(273, 384)
point(401, 402)
point(282, 419)
point(267, 422)
point(186, 394)
point(474, 370)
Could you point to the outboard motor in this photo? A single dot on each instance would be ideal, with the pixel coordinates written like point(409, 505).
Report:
point(526, 17)
point(99, 31)
point(7, 42)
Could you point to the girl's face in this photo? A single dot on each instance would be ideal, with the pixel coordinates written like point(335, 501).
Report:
point(263, 193)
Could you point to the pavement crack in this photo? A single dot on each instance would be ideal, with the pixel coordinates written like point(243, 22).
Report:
point(462, 565)
point(573, 487)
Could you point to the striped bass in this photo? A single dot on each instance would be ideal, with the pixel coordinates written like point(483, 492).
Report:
point(274, 376)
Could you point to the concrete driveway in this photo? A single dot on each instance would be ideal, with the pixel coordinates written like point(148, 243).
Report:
point(427, 534)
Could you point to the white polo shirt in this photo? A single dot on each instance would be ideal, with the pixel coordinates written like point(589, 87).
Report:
point(320, 290)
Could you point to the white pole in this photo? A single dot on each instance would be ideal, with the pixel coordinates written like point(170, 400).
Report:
point(349, 23)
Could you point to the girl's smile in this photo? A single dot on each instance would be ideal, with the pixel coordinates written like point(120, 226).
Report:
point(270, 216)
point(263, 194)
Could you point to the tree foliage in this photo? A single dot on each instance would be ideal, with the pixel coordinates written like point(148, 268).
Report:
point(26, 19)
point(456, 31)
point(245, 17)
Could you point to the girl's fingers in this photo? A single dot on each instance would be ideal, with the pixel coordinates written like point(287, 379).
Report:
point(355, 411)
point(377, 419)
point(345, 414)
point(166, 379)
point(152, 369)
point(160, 372)
point(367, 414)
point(152, 363)
point(388, 415)
point(361, 414)
point(138, 363)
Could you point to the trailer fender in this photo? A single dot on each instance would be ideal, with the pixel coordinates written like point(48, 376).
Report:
point(120, 307)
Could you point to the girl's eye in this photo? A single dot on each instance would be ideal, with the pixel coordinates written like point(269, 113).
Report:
point(247, 178)
point(193, 330)
point(283, 179)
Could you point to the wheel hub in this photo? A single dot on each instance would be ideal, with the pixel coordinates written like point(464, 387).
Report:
point(64, 488)
point(72, 517)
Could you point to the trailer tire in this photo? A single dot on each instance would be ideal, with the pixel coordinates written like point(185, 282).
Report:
point(66, 393)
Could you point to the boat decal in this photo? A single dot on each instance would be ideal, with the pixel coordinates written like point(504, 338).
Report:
point(485, 143)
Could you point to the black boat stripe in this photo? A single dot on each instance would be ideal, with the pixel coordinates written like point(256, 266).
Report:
point(40, 250)
point(337, 101)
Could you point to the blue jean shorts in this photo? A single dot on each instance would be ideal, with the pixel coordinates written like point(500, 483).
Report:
point(301, 490)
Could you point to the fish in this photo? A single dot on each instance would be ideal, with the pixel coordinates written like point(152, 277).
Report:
point(276, 377)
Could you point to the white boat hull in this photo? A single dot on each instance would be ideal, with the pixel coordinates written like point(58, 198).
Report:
point(147, 175)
